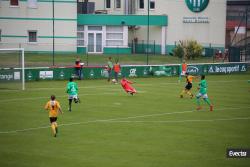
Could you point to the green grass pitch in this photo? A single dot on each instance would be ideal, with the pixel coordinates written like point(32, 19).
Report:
point(109, 128)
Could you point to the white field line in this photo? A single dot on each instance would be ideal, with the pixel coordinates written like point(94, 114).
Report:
point(182, 121)
point(134, 117)
point(111, 87)
point(80, 95)
point(47, 97)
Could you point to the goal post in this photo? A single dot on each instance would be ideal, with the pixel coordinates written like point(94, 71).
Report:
point(12, 68)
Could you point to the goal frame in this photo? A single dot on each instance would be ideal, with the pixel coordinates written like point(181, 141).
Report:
point(23, 66)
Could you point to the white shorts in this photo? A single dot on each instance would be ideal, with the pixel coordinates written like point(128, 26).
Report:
point(73, 97)
point(204, 96)
point(183, 73)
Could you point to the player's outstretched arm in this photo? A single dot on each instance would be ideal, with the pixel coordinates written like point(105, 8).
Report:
point(60, 110)
point(130, 82)
point(46, 107)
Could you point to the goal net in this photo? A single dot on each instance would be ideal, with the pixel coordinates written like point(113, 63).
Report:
point(12, 75)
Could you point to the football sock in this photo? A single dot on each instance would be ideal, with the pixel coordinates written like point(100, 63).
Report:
point(189, 93)
point(207, 101)
point(75, 100)
point(56, 127)
point(53, 129)
point(70, 102)
point(182, 93)
point(198, 101)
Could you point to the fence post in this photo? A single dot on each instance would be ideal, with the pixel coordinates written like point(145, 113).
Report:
point(143, 48)
point(87, 56)
point(154, 47)
point(210, 47)
point(20, 54)
point(132, 46)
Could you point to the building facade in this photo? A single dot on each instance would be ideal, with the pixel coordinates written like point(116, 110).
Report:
point(29, 24)
point(238, 22)
point(112, 26)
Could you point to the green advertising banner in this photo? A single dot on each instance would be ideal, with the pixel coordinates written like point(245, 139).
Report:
point(194, 69)
point(64, 73)
point(164, 70)
point(10, 75)
point(226, 68)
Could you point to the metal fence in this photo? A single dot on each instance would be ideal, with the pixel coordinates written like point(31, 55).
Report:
point(240, 52)
point(144, 47)
point(137, 53)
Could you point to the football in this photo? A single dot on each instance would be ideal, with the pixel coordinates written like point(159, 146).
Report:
point(113, 80)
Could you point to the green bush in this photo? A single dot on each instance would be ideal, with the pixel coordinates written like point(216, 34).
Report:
point(188, 50)
point(193, 50)
point(179, 51)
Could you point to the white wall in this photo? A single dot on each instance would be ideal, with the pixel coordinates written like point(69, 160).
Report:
point(40, 20)
point(205, 33)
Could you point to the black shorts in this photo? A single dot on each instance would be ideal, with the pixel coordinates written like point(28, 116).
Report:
point(188, 86)
point(52, 119)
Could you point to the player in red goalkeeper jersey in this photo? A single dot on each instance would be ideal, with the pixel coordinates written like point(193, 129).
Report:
point(126, 85)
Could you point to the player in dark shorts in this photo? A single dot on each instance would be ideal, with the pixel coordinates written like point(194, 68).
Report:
point(188, 87)
point(53, 106)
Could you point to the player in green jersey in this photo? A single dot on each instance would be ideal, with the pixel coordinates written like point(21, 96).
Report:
point(72, 90)
point(203, 93)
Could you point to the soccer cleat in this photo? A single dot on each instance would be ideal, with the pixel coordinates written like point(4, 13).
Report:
point(69, 109)
point(56, 130)
point(198, 108)
point(191, 96)
point(181, 96)
point(211, 108)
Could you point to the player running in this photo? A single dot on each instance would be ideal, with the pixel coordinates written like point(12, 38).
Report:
point(188, 87)
point(126, 84)
point(203, 93)
point(54, 108)
point(72, 90)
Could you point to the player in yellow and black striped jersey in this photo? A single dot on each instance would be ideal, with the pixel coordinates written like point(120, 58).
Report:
point(188, 87)
point(54, 108)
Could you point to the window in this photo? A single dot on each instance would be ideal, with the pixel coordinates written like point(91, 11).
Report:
point(95, 28)
point(32, 36)
point(14, 2)
point(118, 4)
point(152, 4)
point(141, 4)
point(108, 4)
point(80, 35)
point(114, 36)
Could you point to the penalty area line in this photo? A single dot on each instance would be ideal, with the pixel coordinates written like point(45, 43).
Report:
point(139, 116)
point(183, 121)
point(80, 95)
